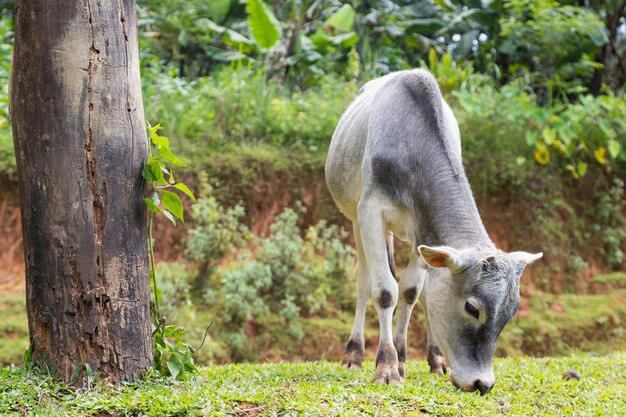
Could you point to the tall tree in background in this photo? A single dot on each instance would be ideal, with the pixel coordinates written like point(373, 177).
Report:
point(80, 143)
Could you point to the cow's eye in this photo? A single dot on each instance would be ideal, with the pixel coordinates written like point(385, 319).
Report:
point(472, 310)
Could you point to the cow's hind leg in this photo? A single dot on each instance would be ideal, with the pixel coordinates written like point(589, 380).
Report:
point(410, 287)
point(354, 351)
point(383, 286)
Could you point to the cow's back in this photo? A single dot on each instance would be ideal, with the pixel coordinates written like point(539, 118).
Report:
point(382, 140)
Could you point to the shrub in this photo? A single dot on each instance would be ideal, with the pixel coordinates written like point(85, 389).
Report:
point(611, 223)
point(278, 281)
point(218, 231)
point(240, 106)
point(570, 135)
point(558, 43)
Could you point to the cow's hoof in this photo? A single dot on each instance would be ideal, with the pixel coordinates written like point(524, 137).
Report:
point(354, 355)
point(352, 359)
point(439, 370)
point(388, 374)
point(346, 364)
point(436, 361)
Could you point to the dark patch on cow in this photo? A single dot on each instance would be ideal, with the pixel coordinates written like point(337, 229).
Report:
point(480, 342)
point(354, 354)
point(425, 94)
point(390, 179)
point(410, 295)
point(385, 300)
point(386, 355)
point(354, 346)
point(434, 357)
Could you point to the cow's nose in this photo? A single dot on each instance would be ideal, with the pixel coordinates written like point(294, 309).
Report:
point(482, 387)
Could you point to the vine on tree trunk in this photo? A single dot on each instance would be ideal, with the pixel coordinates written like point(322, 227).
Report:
point(172, 356)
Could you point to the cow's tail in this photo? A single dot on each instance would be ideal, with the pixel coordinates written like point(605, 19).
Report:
point(390, 254)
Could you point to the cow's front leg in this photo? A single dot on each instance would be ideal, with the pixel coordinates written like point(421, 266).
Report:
point(436, 360)
point(384, 291)
point(410, 287)
point(387, 356)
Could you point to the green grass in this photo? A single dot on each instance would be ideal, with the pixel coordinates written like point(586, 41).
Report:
point(524, 387)
point(615, 278)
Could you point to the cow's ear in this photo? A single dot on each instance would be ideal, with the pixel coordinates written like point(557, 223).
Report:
point(521, 259)
point(441, 257)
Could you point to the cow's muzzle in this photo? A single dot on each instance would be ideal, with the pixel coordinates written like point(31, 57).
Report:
point(478, 385)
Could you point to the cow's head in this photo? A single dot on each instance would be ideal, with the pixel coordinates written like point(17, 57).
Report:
point(471, 296)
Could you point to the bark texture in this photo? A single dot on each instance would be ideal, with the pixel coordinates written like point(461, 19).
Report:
point(79, 136)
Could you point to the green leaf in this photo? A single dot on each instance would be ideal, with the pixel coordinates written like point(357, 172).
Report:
point(218, 9)
point(209, 25)
point(88, 369)
point(169, 216)
point(183, 188)
point(168, 155)
point(155, 198)
point(342, 19)
point(264, 26)
point(549, 135)
point(158, 141)
point(428, 24)
point(152, 171)
point(153, 207)
point(174, 332)
point(345, 40)
point(614, 147)
point(75, 374)
point(173, 203)
point(161, 142)
point(174, 366)
point(236, 38)
point(520, 160)
point(581, 167)
point(567, 133)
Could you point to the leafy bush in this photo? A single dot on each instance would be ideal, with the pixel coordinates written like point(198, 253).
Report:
point(592, 130)
point(218, 231)
point(557, 43)
point(278, 280)
point(611, 224)
point(175, 298)
point(241, 106)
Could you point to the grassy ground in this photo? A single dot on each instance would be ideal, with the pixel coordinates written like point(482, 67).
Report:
point(524, 387)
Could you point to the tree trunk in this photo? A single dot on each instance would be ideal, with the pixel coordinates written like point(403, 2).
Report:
point(80, 142)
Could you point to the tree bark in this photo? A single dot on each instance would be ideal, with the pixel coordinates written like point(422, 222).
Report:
point(80, 142)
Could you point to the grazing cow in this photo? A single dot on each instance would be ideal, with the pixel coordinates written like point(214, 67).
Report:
point(394, 168)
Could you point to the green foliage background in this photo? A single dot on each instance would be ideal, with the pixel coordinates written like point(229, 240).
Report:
point(250, 92)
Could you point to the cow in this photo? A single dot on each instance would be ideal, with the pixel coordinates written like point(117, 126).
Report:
point(394, 169)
